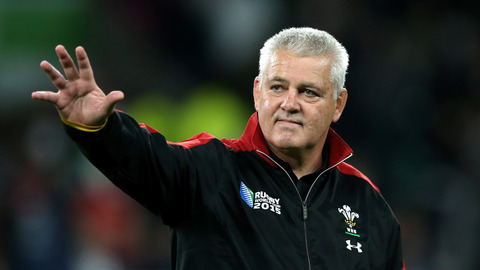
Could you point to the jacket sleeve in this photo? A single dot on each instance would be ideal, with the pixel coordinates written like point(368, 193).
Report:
point(161, 176)
point(385, 235)
point(394, 246)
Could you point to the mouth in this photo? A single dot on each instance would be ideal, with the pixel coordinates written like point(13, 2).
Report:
point(289, 122)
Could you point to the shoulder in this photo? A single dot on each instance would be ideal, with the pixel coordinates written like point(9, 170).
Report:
point(348, 169)
point(197, 140)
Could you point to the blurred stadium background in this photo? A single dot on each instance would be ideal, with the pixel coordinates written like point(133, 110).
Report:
point(412, 118)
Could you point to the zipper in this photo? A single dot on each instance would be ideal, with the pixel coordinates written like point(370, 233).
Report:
point(305, 212)
point(304, 207)
point(304, 202)
point(305, 216)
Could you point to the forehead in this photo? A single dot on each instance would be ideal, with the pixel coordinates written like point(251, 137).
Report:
point(292, 67)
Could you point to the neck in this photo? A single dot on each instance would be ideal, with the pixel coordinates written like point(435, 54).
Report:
point(301, 162)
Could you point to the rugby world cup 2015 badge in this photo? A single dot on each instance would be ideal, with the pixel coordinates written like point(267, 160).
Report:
point(259, 200)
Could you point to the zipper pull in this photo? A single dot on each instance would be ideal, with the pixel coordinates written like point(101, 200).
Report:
point(305, 212)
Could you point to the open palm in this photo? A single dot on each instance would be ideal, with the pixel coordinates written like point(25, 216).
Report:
point(78, 98)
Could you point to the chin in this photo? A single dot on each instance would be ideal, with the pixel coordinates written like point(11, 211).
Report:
point(286, 144)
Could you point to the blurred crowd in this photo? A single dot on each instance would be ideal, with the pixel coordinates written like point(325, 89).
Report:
point(412, 118)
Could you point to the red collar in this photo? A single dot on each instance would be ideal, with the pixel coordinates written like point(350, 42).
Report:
point(253, 140)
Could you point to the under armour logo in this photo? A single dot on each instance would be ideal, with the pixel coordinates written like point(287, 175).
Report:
point(350, 246)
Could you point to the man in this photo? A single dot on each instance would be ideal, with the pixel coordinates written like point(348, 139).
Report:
point(280, 197)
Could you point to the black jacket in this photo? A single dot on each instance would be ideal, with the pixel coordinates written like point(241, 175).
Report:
point(231, 206)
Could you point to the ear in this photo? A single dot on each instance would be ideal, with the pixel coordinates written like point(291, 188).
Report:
point(340, 105)
point(256, 91)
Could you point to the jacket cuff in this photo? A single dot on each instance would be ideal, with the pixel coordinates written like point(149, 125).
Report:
point(82, 127)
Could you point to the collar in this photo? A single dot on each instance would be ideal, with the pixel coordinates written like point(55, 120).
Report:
point(253, 140)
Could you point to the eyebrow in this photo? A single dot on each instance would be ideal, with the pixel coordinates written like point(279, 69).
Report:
point(278, 79)
point(311, 85)
point(301, 86)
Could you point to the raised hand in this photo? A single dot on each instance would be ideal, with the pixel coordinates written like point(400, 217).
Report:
point(78, 98)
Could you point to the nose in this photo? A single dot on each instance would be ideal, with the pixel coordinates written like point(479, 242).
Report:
point(290, 101)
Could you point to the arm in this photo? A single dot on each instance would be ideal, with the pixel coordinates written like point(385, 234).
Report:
point(158, 175)
point(78, 99)
point(395, 257)
point(172, 180)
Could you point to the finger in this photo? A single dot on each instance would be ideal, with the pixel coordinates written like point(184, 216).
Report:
point(68, 65)
point(55, 76)
point(45, 96)
point(86, 71)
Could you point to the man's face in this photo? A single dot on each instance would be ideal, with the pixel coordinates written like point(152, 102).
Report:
point(295, 102)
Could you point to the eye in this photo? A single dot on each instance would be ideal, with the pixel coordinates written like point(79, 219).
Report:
point(310, 93)
point(277, 87)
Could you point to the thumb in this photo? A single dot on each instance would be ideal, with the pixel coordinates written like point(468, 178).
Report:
point(113, 98)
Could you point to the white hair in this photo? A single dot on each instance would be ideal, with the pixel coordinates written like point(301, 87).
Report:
point(308, 42)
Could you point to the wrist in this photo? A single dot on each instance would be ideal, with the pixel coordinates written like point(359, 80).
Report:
point(83, 127)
